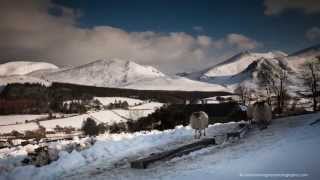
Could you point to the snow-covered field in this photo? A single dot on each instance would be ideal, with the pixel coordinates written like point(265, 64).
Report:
point(103, 116)
point(16, 119)
point(18, 127)
point(107, 100)
point(290, 146)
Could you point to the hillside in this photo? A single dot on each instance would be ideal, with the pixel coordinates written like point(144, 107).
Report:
point(105, 73)
point(234, 65)
point(248, 68)
point(175, 84)
point(243, 68)
point(24, 67)
point(299, 57)
point(114, 73)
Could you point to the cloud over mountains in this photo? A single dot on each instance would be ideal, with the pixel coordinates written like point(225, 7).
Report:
point(41, 30)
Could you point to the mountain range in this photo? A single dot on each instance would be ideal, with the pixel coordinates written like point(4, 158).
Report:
point(243, 68)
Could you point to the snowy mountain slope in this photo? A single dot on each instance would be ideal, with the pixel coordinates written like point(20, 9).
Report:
point(251, 76)
point(105, 73)
point(234, 65)
point(298, 58)
point(243, 68)
point(247, 68)
point(175, 83)
point(310, 51)
point(127, 74)
point(43, 72)
point(4, 80)
point(24, 67)
point(110, 73)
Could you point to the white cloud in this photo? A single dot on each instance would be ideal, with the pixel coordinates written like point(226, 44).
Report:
point(274, 7)
point(313, 34)
point(242, 42)
point(29, 32)
point(204, 41)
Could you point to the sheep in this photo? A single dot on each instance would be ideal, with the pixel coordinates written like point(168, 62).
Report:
point(249, 114)
point(199, 122)
point(261, 114)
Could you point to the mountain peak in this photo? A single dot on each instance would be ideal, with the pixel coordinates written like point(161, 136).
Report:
point(107, 73)
point(24, 67)
point(238, 63)
point(310, 51)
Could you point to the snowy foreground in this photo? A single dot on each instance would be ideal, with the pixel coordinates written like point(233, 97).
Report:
point(290, 146)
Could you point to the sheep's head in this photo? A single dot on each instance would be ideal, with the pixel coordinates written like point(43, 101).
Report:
point(260, 103)
point(197, 114)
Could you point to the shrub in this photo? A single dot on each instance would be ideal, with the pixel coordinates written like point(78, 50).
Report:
point(89, 127)
point(118, 127)
point(102, 128)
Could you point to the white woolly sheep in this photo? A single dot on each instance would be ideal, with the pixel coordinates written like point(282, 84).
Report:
point(199, 122)
point(249, 113)
point(261, 114)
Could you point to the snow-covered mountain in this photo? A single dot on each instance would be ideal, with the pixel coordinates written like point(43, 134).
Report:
point(234, 65)
point(175, 83)
point(240, 68)
point(24, 67)
point(244, 68)
point(248, 68)
point(106, 73)
point(127, 74)
point(109, 73)
point(297, 58)
point(308, 52)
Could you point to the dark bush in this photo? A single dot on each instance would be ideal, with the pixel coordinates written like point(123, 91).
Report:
point(89, 127)
point(102, 128)
point(118, 128)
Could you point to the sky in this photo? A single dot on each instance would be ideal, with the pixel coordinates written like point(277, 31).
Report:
point(172, 35)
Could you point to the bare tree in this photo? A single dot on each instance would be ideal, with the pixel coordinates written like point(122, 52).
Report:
point(275, 83)
point(244, 93)
point(311, 77)
point(279, 88)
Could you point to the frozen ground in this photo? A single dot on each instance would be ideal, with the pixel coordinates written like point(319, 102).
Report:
point(289, 146)
point(103, 116)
